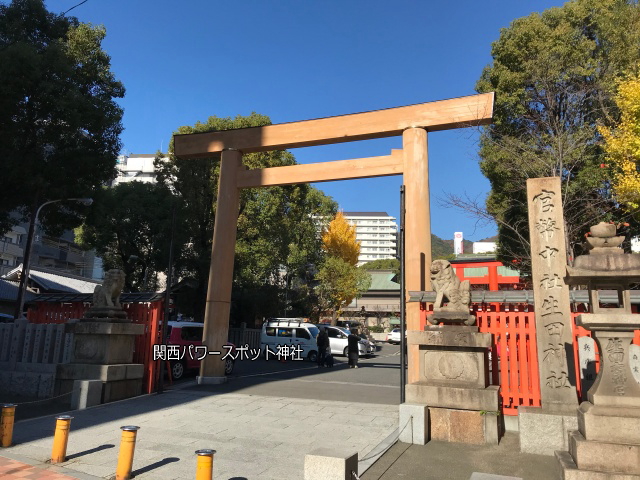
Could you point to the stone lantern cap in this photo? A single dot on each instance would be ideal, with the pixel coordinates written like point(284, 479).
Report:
point(606, 265)
point(606, 262)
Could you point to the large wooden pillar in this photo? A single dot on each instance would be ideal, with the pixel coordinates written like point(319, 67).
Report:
point(417, 259)
point(216, 315)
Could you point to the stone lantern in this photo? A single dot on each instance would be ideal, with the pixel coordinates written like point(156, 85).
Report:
point(608, 436)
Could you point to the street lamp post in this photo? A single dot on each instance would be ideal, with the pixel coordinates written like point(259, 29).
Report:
point(26, 262)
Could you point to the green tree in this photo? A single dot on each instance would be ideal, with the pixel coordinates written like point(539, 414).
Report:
point(277, 240)
point(383, 264)
point(59, 122)
point(134, 219)
point(339, 283)
point(554, 74)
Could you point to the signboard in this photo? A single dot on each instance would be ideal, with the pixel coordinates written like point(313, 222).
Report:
point(458, 247)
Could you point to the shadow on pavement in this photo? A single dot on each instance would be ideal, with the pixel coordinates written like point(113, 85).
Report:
point(153, 466)
point(90, 451)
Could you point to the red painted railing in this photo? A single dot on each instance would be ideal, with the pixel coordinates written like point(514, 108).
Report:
point(148, 314)
point(514, 356)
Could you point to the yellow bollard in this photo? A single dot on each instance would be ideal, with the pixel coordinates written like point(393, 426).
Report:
point(127, 448)
point(6, 424)
point(60, 439)
point(204, 467)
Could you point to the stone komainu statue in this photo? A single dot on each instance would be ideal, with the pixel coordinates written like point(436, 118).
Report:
point(108, 294)
point(447, 286)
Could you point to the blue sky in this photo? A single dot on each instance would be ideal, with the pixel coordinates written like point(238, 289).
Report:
point(294, 60)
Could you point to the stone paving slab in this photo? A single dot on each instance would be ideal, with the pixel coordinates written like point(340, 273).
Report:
point(457, 461)
point(256, 437)
point(490, 476)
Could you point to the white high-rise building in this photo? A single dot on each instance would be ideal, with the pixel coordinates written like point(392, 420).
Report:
point(135, 168)
point(377, 233)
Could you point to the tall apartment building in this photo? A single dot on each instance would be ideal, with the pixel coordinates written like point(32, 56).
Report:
point(377, 233)
point(135, 167)
point(56, 253)
point(11, 249)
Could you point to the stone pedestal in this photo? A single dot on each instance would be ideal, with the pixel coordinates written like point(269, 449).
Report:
point(606, 445)
point(543, 431)
point(103, 351)
point(104, 343)
point(454, 384)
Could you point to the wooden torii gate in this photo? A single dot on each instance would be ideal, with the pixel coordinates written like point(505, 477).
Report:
point(412, 122)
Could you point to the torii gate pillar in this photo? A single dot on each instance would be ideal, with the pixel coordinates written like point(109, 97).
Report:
point(417, 230)
point(218, 307)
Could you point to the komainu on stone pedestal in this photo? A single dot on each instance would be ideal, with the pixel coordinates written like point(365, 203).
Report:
point(104, 344)
point(106, 298)
point(452, 296)
point(453, 370)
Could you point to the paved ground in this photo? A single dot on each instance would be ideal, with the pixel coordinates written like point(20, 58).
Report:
point(262, 423)
point(266, 378)
point(14, 470)
point(456, 461)
point(377, 380)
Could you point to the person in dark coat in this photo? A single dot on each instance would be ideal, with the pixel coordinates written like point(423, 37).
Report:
point(352, 348)
point(323, 344)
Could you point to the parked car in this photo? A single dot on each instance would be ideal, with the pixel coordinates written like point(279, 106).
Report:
point(290, 331)
point(394, 336)
point(185, 334)
point(339, 344)
point(367, 336)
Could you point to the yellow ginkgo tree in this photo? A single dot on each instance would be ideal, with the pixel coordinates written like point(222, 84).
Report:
point(339, 240)
point(622, 145)
point(339, 279)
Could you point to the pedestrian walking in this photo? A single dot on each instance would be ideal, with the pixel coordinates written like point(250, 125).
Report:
point(323, 344)
point(352, 348)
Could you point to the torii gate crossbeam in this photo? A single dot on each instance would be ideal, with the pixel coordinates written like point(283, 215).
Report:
point(412, 122)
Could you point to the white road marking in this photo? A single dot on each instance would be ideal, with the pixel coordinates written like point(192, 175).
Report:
point(274, 373)
point(346, 383)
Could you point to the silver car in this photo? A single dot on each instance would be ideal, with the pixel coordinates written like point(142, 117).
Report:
point(339, 344)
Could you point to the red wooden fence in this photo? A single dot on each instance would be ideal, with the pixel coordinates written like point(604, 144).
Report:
point(148, 314)
point(514, 356)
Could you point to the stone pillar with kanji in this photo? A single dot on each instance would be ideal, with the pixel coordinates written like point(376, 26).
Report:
point(545, 430)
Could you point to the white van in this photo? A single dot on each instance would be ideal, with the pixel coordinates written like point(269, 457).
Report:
point(290, 331)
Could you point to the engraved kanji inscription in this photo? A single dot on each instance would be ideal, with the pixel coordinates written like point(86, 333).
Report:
point(547, 228)
point(551, 281)
point(545, 200)
point(549, 254)
point(550, 306)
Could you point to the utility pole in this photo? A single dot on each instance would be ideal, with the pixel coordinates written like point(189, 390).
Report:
point(403, 320)
point(167, 297)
